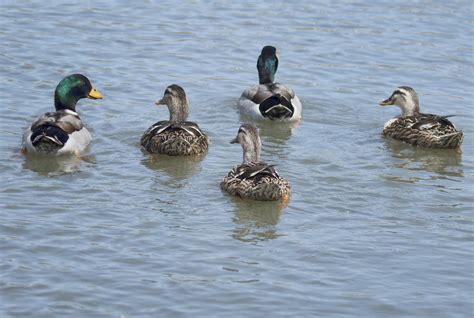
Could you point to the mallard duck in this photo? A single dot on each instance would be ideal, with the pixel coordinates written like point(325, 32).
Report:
point(254, 179)
point(175, 137)
point(62, 131)
point(418, 129)
point(269, 100)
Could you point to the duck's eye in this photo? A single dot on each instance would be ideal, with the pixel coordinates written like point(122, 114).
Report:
point(242, 131)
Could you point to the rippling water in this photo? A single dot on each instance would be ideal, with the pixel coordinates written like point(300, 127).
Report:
point(373, 227)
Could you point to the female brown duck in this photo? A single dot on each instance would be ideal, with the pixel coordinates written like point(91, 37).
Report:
point(418, 129)
point(254, 179)
point(176, 136)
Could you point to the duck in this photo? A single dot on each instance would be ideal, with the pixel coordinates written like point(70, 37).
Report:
point(269, 100)
point(416, 128)
point(62, 131)
point(254, 179)
point(176, 136)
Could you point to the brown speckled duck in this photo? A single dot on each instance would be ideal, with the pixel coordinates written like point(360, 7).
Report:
point(418, 129)
point(175, 137)
point(254, 179)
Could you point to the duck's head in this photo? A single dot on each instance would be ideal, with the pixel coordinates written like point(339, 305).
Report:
point(267, 65)
point(71, 89)
point(249, 138)
point(177, 102)
point(404, 97)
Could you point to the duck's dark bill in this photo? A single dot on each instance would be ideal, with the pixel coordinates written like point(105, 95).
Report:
point(94, 94)
point(386, 102)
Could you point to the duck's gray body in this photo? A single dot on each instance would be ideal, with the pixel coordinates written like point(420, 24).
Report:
point(272, 101)
point(57, 133)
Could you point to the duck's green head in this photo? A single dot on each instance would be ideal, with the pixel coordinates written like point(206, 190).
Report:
point(71, 89)
point(267, 65)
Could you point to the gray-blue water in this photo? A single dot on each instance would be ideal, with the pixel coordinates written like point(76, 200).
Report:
point(374, 228)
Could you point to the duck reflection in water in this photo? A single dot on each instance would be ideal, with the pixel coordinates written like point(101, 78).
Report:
point(443, 163)
point(256, 221)
point(275, 136)
point(275, 132)
point(176, 167)
point(51, 166)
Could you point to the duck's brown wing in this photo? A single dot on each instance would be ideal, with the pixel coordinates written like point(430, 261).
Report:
point(255, 170)
point(191, 127)
point(425, 130)
point(430, 121)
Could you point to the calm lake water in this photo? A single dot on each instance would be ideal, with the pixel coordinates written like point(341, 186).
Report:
point(374, 228)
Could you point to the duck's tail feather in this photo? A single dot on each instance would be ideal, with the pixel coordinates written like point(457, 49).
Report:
point(48, 138)
point(451, 140)
point(276, 107)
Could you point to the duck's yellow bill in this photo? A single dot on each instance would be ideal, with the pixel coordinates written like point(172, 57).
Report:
point(94, 94)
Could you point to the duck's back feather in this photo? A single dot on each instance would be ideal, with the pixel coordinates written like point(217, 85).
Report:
point(66, 120)
point(175, 139)
point(259, 93)
point(255, 170)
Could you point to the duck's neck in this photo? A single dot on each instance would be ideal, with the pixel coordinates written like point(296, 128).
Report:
point(267, 68)
point(410, 108)
point(64, 100)
point(179, 111)
point(251, 151)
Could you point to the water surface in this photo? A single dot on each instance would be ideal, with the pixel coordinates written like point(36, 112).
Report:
point(373, 228)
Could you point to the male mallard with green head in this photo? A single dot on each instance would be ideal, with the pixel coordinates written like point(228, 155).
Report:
point(62, 131)
point(254, 179)
point(418, 129)
point(269, 100)
point(176, 136)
